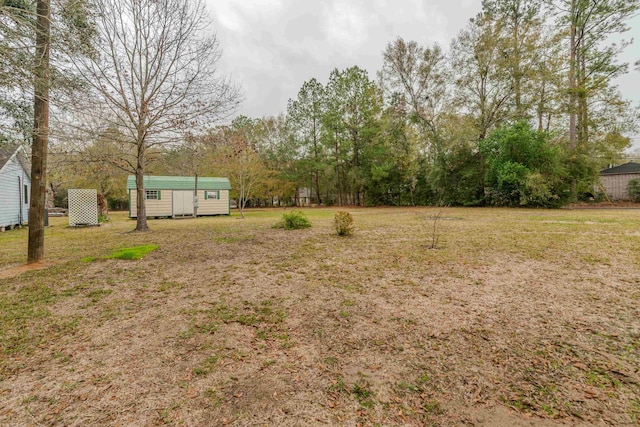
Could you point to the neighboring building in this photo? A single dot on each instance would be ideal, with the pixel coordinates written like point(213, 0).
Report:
point(616, 179)
point(304, 197)
point(15, 185)
point(172, 196)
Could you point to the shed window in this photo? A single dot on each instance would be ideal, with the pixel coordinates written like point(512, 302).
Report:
point(152, 194)
point(26, 194)
point(212, 195)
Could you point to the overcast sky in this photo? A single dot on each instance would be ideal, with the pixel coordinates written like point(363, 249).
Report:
point(270, 47)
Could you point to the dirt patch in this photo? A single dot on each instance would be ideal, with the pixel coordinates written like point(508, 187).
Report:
point(10, 272)
point(523, 318)
point(605, 205)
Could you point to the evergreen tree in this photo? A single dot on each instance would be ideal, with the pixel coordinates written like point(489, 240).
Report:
point(304, 119)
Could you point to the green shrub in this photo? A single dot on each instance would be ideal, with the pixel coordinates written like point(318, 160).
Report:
point(538, 192)
point(523, 168)
point(343, 223)
point(293, 220)
point(633, 188)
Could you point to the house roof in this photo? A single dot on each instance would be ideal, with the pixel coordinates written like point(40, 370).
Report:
point(627, 168)
point(179, 183)
point(9, 150)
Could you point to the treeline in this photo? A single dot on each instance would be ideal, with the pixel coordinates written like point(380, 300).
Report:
point(520, 110)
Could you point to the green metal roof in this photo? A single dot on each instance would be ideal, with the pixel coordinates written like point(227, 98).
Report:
point(179, 183)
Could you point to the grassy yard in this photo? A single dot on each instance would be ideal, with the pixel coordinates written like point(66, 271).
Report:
point(517, 317)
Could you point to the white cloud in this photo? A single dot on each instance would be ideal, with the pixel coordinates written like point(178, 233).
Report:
point(272, 46)
point(345, 25)
point(237, 16)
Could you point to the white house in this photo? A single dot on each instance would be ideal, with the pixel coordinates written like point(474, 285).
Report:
point(15, 185)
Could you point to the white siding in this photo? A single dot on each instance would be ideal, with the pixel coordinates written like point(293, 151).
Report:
point(162, 207)
point(213, 206)
point(12, 195)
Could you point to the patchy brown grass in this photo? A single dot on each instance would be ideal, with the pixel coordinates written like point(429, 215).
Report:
point(516, 317)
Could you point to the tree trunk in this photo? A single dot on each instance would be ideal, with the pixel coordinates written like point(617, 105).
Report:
point(141, 220)
point(540, 111)
point(242, 201)
point(356, 163)
point(572, 95)
point(35, 250)
point(195, 197)
point(316, 172)
point(572, 80)
point(517, 79)
point(583, 141)
point(339, 185)
point(316, 181)
point(579, 95)
point(338, 177)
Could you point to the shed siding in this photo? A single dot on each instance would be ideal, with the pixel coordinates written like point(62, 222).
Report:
point(616, 185)
point(11, 197)
point(213, 206)
point(162, 207)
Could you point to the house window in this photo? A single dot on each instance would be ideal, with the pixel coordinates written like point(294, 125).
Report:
point(26, 194)
point(209, 195)
point(152, 194)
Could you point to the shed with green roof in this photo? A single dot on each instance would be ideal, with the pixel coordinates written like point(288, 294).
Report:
point(173, 196)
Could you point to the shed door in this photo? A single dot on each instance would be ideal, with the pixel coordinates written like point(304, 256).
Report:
point(183, 202)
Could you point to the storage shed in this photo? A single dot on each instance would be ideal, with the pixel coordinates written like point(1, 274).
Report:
point(615, 180)
point(172, 196)
point(15, 185)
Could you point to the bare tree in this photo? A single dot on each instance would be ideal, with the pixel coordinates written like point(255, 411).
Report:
point(235, 155)
point(432, 225)
point(153, 78)
point(482, 89)
point(419, 74)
